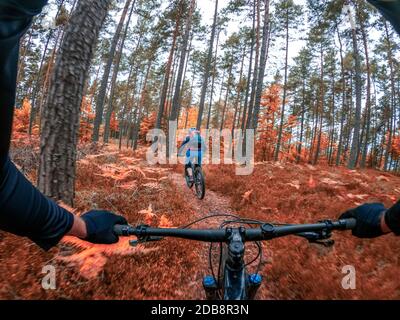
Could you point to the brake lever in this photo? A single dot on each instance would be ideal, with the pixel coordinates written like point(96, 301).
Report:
point(321, 238)
point(141, 240)
point(326, 243)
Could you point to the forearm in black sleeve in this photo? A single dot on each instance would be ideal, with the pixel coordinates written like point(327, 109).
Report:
point(26, 212)
point(23, 209)
point(392, 218)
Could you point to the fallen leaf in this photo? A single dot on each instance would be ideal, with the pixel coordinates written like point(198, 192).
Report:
point(382, 178)
point(311, 182)
point(332, 182)
point(128, 185)
point(309, 166)
point(294, 184)
point(84, 162)
point(148, 215)
point(165, 222)
point(247, 195)
point(357, 196)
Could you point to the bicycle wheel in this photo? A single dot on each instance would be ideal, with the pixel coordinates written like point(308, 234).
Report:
point(199, 183)
point(189, 182)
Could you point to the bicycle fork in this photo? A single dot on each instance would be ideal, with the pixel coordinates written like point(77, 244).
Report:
point(236, 283)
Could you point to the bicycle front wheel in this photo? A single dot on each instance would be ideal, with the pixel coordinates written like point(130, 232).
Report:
point(199, 182)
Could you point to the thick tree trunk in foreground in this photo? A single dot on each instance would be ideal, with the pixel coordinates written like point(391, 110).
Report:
point(60, 123)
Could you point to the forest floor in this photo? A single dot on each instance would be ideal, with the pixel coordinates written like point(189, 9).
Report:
point(173, 269)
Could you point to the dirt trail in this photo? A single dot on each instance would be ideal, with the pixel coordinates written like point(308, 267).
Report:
point(212, 203)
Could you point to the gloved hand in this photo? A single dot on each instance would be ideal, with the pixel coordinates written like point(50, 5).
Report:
point(369, 217)
point(99, 226)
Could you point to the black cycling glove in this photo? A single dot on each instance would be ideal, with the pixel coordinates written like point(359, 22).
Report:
point(368, 218)
point(100, 226)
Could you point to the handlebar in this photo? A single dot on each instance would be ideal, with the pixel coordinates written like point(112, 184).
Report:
point(267, 231)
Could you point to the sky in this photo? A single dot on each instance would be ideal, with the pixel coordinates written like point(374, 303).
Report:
point(206, 8)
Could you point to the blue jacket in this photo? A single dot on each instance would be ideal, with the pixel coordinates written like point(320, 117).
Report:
point(195, 144)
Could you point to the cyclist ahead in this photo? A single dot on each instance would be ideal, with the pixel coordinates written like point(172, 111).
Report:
point(195, 147)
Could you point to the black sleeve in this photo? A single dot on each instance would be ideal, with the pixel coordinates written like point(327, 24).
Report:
point(23, 209)
point(390, 10)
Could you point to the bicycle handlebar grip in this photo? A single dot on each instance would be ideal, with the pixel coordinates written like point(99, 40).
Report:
point(121, 229)
point(351, 223)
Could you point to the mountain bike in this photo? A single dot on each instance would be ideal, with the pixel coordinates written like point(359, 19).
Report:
point(232, 280)
point(196, 178)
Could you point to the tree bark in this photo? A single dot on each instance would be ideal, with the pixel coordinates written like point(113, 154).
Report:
point(164, 92)
point(263, 63)
point(355, 147)
point(60, 124)
point(278, 145)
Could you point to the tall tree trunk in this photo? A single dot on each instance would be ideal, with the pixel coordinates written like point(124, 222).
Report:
point(278, 145)
point(332, 134)
point(178, 84)
point(246, 99)
point(263, 63)
point(110, 108)
point(320, 106)
point(126, 100)
point(60, 125)
point(164, 92)
point(392, 100)
point(213, 82)
point(184, 76)
point(239, 91)
point(303, 111)
point(104, 82)
point(228, 87)
point(343, 80)
point(256, 13)
point(355, 147)
point(207, 70)
point(140, 106)
point(368, 97)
